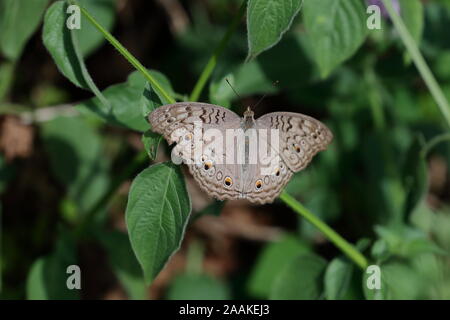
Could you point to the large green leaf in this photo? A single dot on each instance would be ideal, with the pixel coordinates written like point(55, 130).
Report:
point(267, 21)
point(335, 30)
point(47, 279)
point(157, 213)
point(197, 287)
point(274, 257)
point(124, 263)
point(337, 278)
point(406, 242)
point(341, 280)
point(62, 43)
point(19, 19)
point(127, 102)
point(398, 281)
point(89, 37)
point(76, 158)
point(301, 279)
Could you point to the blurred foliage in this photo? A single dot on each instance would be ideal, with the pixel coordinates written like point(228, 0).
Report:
point(378, 184)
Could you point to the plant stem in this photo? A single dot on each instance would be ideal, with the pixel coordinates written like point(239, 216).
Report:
point(419, 61)
point(207, 71)
point(434, 142)
point(124, 52)
point(351, 252)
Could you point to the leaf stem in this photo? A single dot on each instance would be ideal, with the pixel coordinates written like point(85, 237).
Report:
point(419, 61)
point(351, 252)
point(207, 71)
point(124, 52)
point(434, 142)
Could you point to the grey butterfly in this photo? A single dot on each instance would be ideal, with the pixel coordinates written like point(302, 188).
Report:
point(300, 138)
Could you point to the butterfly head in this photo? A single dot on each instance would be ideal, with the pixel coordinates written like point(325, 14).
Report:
point(248, 113)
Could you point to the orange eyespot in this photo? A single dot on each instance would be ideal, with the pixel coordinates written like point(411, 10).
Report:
point(258, 184)
point(228, 181)
point(277, 172)
point(188, 137)
point(208, 165)
point(297, 148)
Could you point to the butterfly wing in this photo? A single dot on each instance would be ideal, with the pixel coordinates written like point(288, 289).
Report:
point(266, 179)
point(301, 137)
point(177, 123)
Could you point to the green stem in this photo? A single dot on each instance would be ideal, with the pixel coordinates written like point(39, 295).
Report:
point(124, 52)
point(207, 71)
point(351, 252)
point(419, 61)
point(434, 142)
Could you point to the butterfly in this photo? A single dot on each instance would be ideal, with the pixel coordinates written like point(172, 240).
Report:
point(223, 150)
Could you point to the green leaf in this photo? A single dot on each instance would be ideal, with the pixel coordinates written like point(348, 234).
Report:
point(151, 142)
point(301, 279)
point(89, 37)
point(335, 30)
point(274, 257)
point(127, 102)
point(413, 16)
point(47, 279)
point(6, 78)
point(341, 280)
point(77, 159)
point(267, 21)
point(283, 63)
point(197, 287)
point(62, 43)
point(124, 263)
point(220, 92)
point(157, 213)
point(19, 19)
point(404, 241)
point(399, 281)
point(337, 278)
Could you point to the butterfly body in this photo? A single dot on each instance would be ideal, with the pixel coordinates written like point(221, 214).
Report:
point(234, 157)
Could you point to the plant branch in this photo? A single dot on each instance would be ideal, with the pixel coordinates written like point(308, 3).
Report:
point(124, 52)
point(349, 250)
point(419, 61)
point(207, 71)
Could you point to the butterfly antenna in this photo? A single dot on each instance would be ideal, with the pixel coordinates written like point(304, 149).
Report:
point(235, 92)
point(262, 98)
